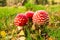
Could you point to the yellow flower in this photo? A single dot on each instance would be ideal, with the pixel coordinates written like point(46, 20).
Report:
point(3, 33)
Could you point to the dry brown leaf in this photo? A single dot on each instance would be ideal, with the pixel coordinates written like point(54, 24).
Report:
point(21, 32)
point(13, 39)
point(50, 38)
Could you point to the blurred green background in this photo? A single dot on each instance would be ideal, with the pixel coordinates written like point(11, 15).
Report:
point(10, 8)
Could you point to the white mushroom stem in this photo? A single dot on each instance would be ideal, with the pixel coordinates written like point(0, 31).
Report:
point(19, 28)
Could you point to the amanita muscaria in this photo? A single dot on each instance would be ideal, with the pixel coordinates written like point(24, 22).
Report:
point(20, 20)
point(40, 20)
point(29, 14)
point(40, 17)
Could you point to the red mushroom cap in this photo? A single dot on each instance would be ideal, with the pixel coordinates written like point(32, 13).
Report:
point(20, 20)
point(40, 17)
point(29, 14)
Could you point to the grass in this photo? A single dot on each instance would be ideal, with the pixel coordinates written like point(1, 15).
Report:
point(7, 15)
